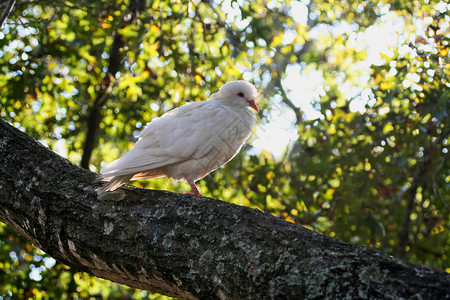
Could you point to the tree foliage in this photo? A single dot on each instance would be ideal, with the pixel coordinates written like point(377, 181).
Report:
point(84, 77)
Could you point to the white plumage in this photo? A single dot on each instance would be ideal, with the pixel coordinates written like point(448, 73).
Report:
point(189, 142)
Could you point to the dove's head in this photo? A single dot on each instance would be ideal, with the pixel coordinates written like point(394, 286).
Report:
point(240, 93)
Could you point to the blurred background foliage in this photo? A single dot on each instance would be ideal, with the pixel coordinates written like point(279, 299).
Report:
point(83, 77)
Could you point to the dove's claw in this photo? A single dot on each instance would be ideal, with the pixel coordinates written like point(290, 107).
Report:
point(195, 191)
point(192, 194)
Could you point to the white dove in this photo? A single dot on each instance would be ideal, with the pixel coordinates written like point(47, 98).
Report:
point(189, 142)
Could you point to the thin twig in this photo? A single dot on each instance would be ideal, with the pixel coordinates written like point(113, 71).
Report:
point(7, 11)
point(50, 3)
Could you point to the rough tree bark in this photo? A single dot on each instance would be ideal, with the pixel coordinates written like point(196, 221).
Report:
point(185, 246)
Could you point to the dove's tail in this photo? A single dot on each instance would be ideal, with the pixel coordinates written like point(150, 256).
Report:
point(114, 183)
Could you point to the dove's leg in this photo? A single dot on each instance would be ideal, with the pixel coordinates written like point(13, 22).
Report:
point(194, 189)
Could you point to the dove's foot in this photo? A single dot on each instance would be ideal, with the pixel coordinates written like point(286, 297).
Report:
point(195, 191)
point(193, 194)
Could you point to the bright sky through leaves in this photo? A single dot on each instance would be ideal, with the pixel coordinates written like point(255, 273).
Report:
point(304, 87)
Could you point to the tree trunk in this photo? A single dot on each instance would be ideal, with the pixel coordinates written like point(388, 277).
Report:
point(95, 117)
point(185, 246)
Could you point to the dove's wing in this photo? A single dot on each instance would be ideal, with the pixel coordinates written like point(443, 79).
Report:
point(170, 139)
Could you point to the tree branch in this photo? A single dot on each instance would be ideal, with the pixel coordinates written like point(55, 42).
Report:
point(185, 246)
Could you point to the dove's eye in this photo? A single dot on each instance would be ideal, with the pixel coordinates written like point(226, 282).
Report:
point(240, 94)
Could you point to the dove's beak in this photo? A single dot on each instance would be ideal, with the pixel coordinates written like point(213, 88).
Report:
point(252, 104)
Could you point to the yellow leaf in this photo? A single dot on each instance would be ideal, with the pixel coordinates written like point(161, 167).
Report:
point(387, 85)
point(155, 29)
point(141, 77)
point(335, 183)
point(46, 80)
point(299, 40)
point(153, 50)
point(84, 53)
point(444, 51)
point(276, 41)
point(332, 129)
point(349, 117)
point(289, 219)
point(388, 128)
point(133, 91)
point(346, 210)
point(301, 206)
point(129, 31)
point(386, 56)
point(246, 64)
point(286, 49)
point(329, 194)
point(198, 79)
